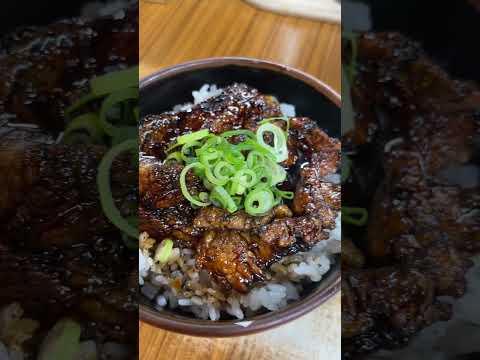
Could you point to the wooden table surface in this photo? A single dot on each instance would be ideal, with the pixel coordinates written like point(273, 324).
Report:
point(184, 30)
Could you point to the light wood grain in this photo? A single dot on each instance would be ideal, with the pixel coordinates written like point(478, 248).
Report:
point(185, 30)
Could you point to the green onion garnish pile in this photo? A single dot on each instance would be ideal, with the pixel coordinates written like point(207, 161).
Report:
point(237, 176)
point(109, 115)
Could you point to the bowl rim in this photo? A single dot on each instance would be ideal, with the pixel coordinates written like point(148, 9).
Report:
point(197, 327)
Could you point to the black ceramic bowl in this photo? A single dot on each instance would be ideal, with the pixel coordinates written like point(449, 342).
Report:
point(171, 86)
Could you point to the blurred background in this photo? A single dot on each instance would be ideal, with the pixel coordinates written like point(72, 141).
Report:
point(410, 87)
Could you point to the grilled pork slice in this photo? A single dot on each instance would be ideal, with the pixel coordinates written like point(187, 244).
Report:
point(238, 106)
point(237, 249)
point(164, 211)
point(215, 218)
point(228, 258)
point(306, 138)
point(314, 194)
point(159, 183)
point(239, 259)
point(173, 222)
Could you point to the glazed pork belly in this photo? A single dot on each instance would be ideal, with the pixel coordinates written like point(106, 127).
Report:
point(238, 106)
point(237, 249)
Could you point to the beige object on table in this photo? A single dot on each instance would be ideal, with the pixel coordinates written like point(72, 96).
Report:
point(325, 10)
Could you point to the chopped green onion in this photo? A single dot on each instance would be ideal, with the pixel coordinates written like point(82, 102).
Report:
point(246, 178)
point(214, 180)
point(187, 151)
point(110, 102)
point(123, 133)
point(284, 118)
point(208, 156)
point(212, 141)
point(284, 194)
point(195, 136)
point(279, 149)
point(354, 216)
point(238, 201)
point(105, 190)
point(234, 172)
point(231, 133)
point(88, 123)
point(250, 145)
point(183, 185)
point(173, 146)
point(254, 159)
point(278, 173)
point(259, 201)
point(219, 194)
point(203, 196)
point(177, 156)
point(164, 251)
point(112, 96)
point(235, 157)
point(223, 170)
point(207, 184)
point(263, 174)
point(236, 188)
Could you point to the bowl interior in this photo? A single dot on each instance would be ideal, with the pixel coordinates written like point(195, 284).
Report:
point(162, 91)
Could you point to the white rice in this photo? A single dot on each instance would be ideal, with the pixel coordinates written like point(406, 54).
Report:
point(205, 92)
point(287, 109)
point(179, 284)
